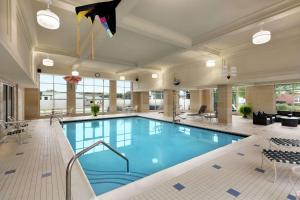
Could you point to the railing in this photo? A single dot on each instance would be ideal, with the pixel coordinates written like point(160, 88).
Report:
point(57, 116)
point(76, 156)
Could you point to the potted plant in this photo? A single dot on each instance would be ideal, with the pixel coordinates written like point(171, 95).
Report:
point(95, 109)
point(245, 110)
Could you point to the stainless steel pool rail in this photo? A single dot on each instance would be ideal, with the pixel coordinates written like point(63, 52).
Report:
point(77, 155)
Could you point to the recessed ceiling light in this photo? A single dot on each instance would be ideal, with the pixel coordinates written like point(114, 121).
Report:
point(75, 73)
point(261, 37)
point(48, 19)
point(210, 63)
point(48, 62)
point(154, 76)
point(122, 78)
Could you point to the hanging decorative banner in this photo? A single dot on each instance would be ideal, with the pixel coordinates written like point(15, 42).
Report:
point(72, 79)
point(106, 11)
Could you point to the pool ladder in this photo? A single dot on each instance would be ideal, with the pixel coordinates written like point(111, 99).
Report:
point(77, 155)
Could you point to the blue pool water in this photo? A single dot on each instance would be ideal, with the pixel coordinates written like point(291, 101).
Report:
point(150, 146)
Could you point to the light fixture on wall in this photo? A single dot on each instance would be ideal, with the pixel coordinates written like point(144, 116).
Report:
point(122, 78)
point(47, 18)
point(48, 62)
point(75, 73)
point(154, 75)
point(210, 63)
point(261, 37)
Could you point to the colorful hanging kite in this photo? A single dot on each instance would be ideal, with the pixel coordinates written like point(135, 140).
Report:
point(106, 12)
point(72, 79)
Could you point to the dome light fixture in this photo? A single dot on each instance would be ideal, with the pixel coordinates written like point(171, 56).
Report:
point(48, 19)
point(261, 37)
point(154, 76)
point(210, 63)
point(75, 73)
point(48, 62)
point(122, 78)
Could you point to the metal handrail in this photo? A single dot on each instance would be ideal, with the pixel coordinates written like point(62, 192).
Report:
point(77, 155)
point(58, 117)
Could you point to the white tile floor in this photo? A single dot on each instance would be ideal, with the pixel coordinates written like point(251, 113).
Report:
point(40, 167)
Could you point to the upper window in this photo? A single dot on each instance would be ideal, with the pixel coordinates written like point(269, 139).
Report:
point(53, 94)
point(92, 90)
point(124, 90)
point(156, 100)
point(184, 100)
point(287, 97)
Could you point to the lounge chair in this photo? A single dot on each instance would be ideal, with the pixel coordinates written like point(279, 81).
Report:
point(278, 156)
point(9, 129)
point(201, 111)
point(260, 119)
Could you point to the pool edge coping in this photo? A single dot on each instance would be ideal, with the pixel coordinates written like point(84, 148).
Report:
point(135, 189)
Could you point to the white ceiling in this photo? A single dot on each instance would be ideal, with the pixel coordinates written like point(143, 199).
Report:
point(156, 33)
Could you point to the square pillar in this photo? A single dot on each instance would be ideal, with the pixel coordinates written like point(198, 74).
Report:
point(141, 100)
point(224, 108)
point(71, 99)
point(196, 98)
point(112, 96)
point(170, 100)
point(32, 103)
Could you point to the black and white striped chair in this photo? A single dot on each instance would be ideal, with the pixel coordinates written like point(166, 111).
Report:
point(278, 156)
point(285, 142)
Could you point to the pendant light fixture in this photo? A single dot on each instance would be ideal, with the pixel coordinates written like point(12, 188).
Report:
point(75, 73)
point(228, 71)
point(47, 18)
point(261, 37)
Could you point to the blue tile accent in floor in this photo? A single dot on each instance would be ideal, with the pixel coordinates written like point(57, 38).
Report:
point(18, 154)
point(240, 154)
point(260, 170)
point(291, 197)
point(233, 192)
point(178, 186)
point(10, 172)
point(217, 166)
point(46, 174)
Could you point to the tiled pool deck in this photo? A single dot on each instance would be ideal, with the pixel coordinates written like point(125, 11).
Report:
point(36, 168)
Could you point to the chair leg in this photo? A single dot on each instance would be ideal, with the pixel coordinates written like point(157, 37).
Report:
point(275, 171)
point(262, 160)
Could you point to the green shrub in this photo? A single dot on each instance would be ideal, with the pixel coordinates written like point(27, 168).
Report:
point(95, 109)
point(282, 106)
point(245, 110)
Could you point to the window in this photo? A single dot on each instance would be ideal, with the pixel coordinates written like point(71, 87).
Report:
point(53, 94)
point(156, 100)
point(8, 102)
point(288, 97)
point(238, 97)
point(215, 98)
point(123, 94)
point(91, 90)
point(184, 100)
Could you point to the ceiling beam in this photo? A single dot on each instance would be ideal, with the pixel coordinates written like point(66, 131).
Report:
point(272, 13)
point(155, 31)
point(136, 70)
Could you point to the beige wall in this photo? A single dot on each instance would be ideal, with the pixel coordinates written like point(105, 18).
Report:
point(195, 100)
point(261, 98)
